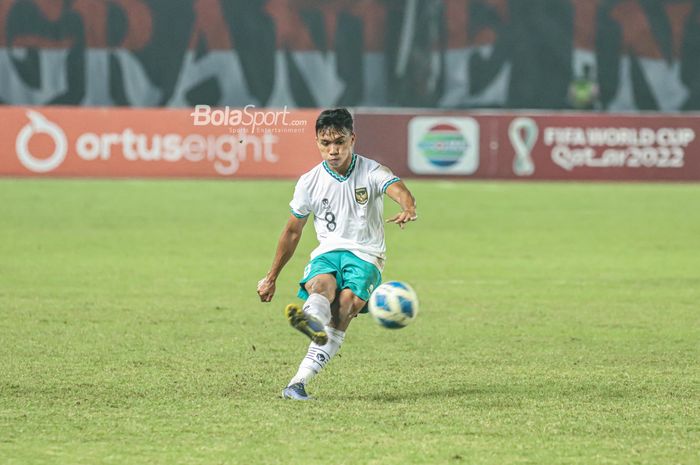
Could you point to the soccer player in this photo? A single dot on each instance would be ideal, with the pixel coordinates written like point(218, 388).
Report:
point(345, 194)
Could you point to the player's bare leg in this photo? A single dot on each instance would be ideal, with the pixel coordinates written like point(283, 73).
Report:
point(324, 285)
point(349, 306)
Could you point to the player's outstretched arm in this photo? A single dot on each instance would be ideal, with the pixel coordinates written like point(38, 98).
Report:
point(400, 194)
point(286, 246)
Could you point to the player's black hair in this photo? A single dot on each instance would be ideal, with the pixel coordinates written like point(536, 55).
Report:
point(338, 119)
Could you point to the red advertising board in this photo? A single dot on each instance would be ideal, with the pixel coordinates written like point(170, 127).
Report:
point(535, 146)
point(201, 142)
point(265, 143)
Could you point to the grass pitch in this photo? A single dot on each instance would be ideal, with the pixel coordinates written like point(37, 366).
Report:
point(560, 324)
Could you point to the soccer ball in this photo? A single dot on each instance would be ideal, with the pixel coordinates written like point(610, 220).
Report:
point(393, 304)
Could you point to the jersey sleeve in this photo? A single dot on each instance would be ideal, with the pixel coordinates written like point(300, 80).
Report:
point(381, 178)
point(300, 205)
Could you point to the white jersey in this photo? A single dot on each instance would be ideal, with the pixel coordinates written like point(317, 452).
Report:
point(348, 210)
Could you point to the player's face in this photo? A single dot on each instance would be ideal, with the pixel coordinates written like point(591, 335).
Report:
point(336, 148)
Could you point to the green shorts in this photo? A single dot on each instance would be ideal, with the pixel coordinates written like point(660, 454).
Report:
point(350, 271)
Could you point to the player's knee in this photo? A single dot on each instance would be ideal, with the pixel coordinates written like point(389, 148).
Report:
point(350, 305)
point(323, 286)
point(345, 300)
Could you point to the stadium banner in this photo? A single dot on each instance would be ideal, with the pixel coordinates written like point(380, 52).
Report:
point(206, 142)
point(623, 54)
point(538, 146)
point(201, 142)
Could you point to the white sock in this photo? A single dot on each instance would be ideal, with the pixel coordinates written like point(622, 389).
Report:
point(319, 307)
point(318, 356)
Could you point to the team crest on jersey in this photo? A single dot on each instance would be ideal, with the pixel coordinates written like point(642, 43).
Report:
point(361, 195)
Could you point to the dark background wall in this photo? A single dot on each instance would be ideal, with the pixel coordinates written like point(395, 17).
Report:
point(645, 54)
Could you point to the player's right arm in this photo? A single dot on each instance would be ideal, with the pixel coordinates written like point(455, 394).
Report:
point(287, 244)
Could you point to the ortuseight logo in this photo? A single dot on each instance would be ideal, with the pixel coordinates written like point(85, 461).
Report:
point(226, 152)
point(443, 145)
point(38, 124)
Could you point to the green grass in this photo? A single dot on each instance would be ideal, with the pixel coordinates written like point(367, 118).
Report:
point(560, 324)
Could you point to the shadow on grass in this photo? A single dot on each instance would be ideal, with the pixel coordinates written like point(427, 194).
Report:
point(430, 393)
point(496, 395)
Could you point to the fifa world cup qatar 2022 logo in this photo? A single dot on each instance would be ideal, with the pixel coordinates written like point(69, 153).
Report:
point(38, 124)
point(523, 133)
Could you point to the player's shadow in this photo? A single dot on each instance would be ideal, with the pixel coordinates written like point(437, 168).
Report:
point(418, 394)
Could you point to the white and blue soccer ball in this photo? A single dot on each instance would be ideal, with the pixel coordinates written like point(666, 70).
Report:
point(394, 304)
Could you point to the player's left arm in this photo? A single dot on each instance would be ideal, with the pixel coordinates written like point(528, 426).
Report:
point(400, 194)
